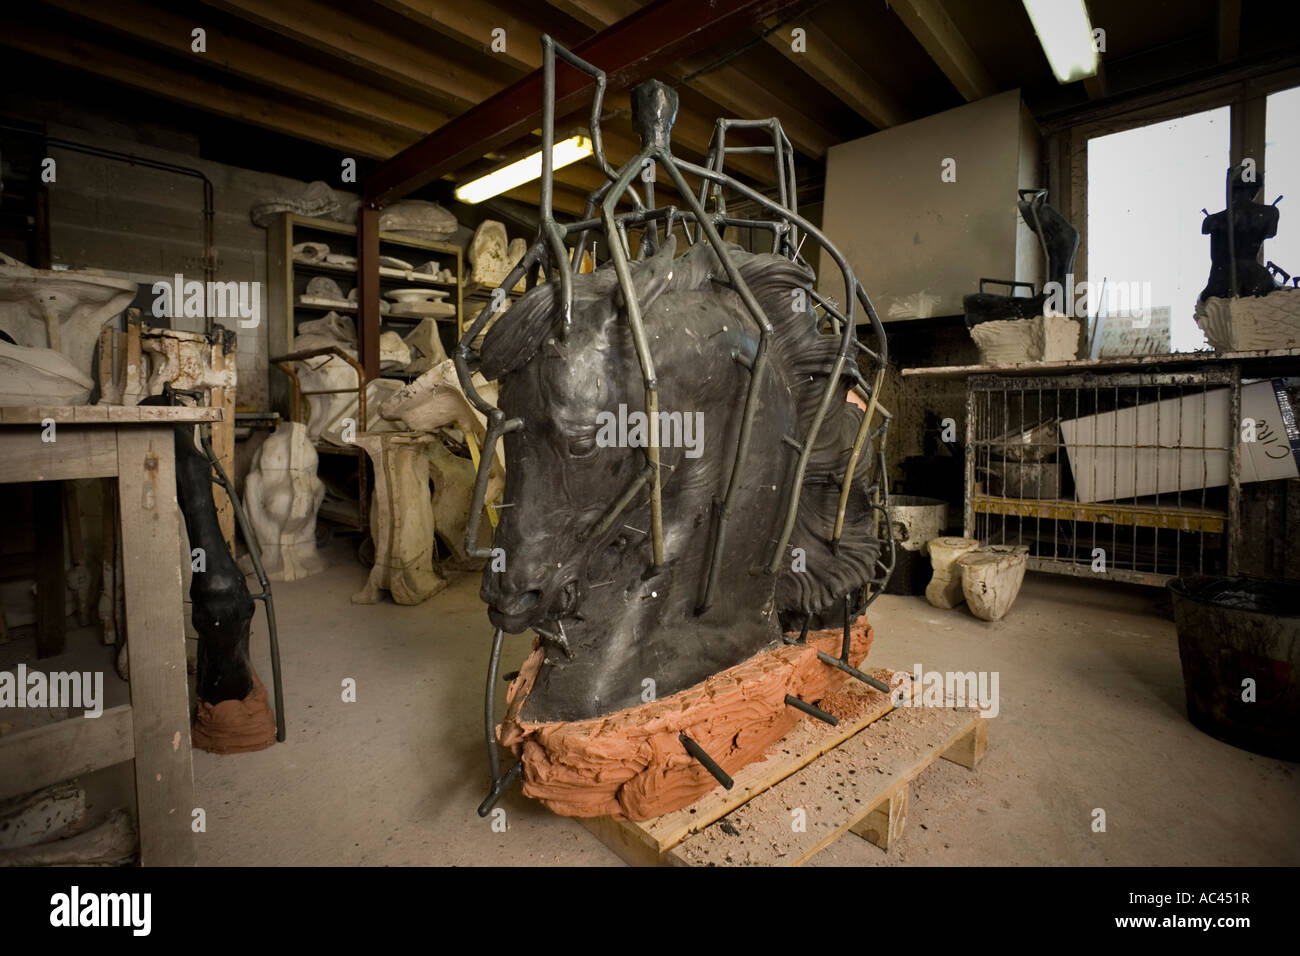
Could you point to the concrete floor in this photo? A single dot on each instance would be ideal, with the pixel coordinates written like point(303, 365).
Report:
point(1092, 716)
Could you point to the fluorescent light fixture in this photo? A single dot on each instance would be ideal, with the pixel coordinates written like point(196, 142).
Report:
point(1065, 32)
point(523, 171)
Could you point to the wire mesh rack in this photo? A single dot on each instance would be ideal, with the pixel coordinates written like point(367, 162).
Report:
point(1134, 476)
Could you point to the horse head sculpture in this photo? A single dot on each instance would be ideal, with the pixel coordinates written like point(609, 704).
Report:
point(566, 572)
point(682, 483)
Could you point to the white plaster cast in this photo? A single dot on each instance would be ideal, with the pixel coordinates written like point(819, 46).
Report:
point(1252, 323)
point(328, 415)
point(1050, 338)
point(489, 254)
point(426, 347)
point(60, 309)
point(38, 376)
point(401, 519)
point(435, 401)
point(282, 495)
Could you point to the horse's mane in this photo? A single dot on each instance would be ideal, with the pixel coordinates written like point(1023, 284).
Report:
point(803, 355)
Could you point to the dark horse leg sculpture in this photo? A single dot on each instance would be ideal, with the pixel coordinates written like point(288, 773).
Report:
point(682, 484)
point(233, 715)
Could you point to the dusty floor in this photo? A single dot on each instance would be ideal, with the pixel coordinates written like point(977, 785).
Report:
point(1091, 717)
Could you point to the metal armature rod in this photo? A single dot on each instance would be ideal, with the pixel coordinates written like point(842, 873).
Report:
point(811, 710)
point(255, 555)
point(809, 443)
point(696, 751)
point(757, 370)
point(852, 671)
point(499, 787)
point(498, 426)
point(848, 632)
point(490, 706)
point(624, 272)
point(620, 503)
point(863, 428)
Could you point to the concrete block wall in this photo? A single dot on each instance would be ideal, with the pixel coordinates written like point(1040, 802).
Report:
point(147, 225)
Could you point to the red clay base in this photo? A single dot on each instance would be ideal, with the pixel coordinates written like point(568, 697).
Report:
point(235, 726)
point(631, 764)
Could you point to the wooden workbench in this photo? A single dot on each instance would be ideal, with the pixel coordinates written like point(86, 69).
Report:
point(133, 444)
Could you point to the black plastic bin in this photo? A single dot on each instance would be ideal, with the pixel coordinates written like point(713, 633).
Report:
point(1231, 632)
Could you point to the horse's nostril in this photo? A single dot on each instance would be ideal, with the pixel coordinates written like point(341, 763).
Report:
point(523, 603)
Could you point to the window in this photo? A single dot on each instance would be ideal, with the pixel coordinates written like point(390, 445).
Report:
point(1146, 189)
point(1282, 176)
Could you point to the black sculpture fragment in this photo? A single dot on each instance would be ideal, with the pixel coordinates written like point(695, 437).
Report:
point(1059, 241)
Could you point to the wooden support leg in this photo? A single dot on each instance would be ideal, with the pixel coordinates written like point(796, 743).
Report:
point(51, 582)
point(884, 825)
point(164, 776)
point(970, 749)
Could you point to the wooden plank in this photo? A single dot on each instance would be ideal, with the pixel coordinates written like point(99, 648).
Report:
point(629, 842)
point(884, 825)
point(114, 415)
point(804, 744)
point(47, 814)
point(77, 452)
point(969, 751)
point(35, 759)
point(164, 777)
point(51, 582)
point(1119, 362)
point(834, 793)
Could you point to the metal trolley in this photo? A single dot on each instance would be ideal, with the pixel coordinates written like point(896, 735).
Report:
point(1134, 476)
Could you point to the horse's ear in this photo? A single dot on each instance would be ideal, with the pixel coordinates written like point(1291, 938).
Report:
point(651, 277)
point(516, 336)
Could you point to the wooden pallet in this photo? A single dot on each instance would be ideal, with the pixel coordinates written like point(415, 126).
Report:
point(855, 776)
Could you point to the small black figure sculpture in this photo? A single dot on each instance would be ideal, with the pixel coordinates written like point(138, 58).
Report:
point(1059, 241)
point(1235, 269)
point(222, 605)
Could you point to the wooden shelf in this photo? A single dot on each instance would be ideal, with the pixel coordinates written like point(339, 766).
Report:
point(1151, 515)
point(1123, 363)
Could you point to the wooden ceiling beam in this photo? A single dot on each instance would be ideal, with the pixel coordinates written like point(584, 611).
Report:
point(367, 45)
point(726, 86)
point(627, 52)
point(189, 89)
point(471, 22)
point(260, 64)
point(824, 61)
point(929, 22)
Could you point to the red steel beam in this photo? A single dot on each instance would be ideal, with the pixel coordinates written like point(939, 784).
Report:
point(628, 51)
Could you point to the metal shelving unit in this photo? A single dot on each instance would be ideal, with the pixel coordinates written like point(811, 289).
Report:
point(1124, 469)
point(286, 281)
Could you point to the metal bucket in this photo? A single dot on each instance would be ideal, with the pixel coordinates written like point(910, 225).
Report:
point(914, 521)
point(1239, 642)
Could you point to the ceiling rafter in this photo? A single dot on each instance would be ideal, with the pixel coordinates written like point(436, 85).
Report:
point(727, 86)
point(368, 45)
point(824, 61)
point(252, 61)
point(929, 22)
point(191, 89)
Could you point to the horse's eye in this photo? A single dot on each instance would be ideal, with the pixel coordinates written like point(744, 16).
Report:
point(582, 446)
